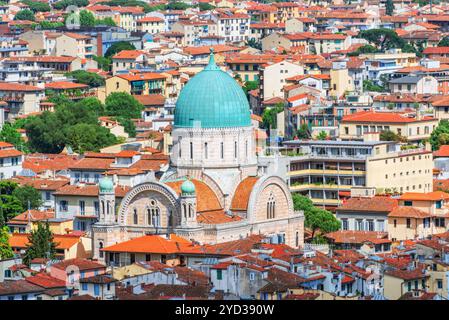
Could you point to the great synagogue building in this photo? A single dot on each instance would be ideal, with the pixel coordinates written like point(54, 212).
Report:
point(214, 190)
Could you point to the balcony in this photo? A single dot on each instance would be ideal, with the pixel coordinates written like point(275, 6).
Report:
point(329, 172)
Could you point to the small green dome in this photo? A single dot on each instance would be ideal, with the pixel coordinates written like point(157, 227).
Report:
point(212, 99)
point(187, 187)
point(106, 185)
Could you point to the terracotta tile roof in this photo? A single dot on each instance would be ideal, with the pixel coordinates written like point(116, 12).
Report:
point(20, 240)
point(62, 59)
point(10, 287)
point(191, 276)
point(443, 151)
point(229, 248)
point(151, 99)
point(242, 193)
point(151, 244)
point(39, 163)
point(77, 36)
point(150, 19)
point(407, 274)
point(88, 191)
point(297, 97)
point(356, 237)
point(32, 215)
point(430, 196)
point(166, 291)
point(99, 279)
point(128, 54)
point(41, 184)
point(92, 164)
point(436, 50)
point(206, 198)
point(216, 217)
point(422, 296)
point(376, 204)
point(441, 185)
point(149, 164)
point(4, 144)
point(9, 86)
point(82, 264)
point(6, 153)
point(381, 117)
point(409, 212)
point(46, 281)
point(64, 85)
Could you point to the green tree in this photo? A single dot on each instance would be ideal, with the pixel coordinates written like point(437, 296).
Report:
point(85, 77)
point(108, 21)
point(177, 5)
point(84, 137)
point(322, 135)
point(87, 18)
point(269, 116)
point(50, 132)
point(10, 206)
point(117, 47)
point(316, 219)
point(5, 249)
point(28, 197)
point(61, 5)
point(367, 48)
point(382, 38)
point(40, 244)
point(369, 85)
point(37, 6)
point(444, 42)
point(389, 7)
point(440, 136)
point(103, 63)
point(303, 132)
point(204, 6)
point(25, 15)
point(48, 25)
point(123, 105)
point(10, 134)
point(250, 85)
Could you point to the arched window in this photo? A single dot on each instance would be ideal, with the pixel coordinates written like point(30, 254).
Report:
point(235, 149)
point(221, 150)
point(107, 207)
point(179, 150)
point(191, 150)
point(102, 207)
point(190, 211)
point(246, 148)
point(135, 217)
point(184, 210)
point(297, 238)
point(170, 219)
point(100, 246)
point(271, 207)
point(205, 151)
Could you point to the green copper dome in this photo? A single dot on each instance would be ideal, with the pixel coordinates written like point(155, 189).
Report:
point(187, 187)
point(106, 185)
point(212, 99)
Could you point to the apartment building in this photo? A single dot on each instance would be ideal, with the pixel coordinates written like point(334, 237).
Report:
point(126, 60)
point(273, 76)
point(151, 25)
point(326, 171)
point(21, 99)
point(141, 83)
point(234, 27)
point(74, 45)
point(193, 31)
point(408, 125)
point(10, 161)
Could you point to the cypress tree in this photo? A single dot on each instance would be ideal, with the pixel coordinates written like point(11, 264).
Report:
point(40, 244)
